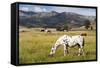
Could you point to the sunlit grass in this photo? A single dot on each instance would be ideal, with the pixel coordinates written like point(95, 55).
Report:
point(35, 46)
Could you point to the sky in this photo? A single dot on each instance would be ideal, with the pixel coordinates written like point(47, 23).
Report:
point(41, 8)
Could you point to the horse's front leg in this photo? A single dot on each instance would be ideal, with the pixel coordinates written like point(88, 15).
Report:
point(65, 50)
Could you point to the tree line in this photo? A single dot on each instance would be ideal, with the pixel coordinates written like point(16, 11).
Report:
point(67, 27)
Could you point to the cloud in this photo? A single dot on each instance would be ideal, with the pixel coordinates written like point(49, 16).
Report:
point(39, 9)
point(35, 8)
point(44, 10)
point(24, 8)
point(82, 11)
point(63, 9)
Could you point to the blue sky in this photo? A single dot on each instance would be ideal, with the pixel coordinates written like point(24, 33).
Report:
point(40, 8)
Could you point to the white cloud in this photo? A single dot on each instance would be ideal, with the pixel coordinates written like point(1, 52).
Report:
point(60, 9)
point(44, 10)
point(39, 9)
point(83, 11)
point(66, 9)
point(32, 8)
point(24, 8)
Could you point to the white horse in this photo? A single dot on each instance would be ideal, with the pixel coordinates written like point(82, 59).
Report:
point(68, 41)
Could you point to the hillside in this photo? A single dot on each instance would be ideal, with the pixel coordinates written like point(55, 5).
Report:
point(52, 19)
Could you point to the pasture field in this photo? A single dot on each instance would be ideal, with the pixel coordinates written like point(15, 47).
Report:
point(35, 46)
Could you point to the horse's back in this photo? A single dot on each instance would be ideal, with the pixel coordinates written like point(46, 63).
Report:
point(70, 40)
point(78, 39)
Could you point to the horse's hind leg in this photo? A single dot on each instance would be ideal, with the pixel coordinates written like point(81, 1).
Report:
point(82, 51)
point(79, 51)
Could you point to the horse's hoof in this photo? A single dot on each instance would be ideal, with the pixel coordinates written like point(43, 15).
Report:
point(79, 54)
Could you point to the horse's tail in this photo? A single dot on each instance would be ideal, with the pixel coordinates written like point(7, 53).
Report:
point(83, 34)
point(83, 42)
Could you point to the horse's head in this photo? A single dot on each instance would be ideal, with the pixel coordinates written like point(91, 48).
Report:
point(52, 52)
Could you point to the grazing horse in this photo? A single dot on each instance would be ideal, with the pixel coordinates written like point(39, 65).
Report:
point(48, 31)
point(42, 30)
point(68, 41)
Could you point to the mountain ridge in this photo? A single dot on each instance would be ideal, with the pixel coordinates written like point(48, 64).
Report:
point(51, 19)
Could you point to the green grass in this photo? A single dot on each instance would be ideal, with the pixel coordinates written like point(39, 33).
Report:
point(35, 46)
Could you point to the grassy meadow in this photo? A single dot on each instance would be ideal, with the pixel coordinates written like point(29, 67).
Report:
point(35, 46)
